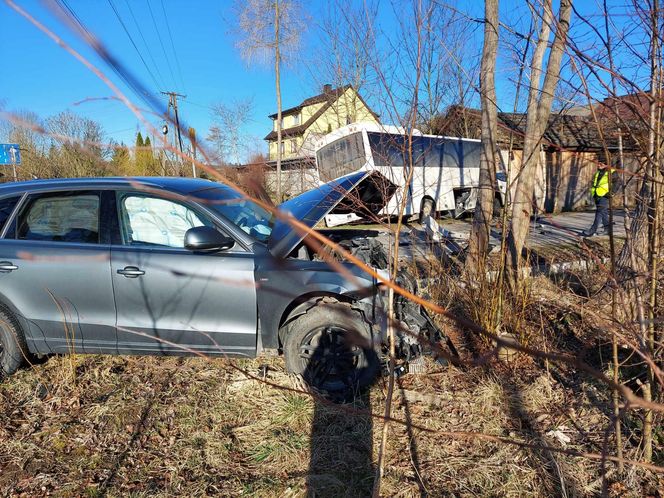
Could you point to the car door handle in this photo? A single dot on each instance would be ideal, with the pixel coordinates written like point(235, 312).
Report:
point(131, 272)
point(7, 266)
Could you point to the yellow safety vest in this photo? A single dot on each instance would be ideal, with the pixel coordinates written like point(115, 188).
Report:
point(600, 186)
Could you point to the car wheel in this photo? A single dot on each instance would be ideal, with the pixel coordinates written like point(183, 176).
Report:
point(427, 209)
point(331, 347)
point(12, 344)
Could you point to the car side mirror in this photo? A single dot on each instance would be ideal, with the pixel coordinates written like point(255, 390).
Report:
point(206, 239)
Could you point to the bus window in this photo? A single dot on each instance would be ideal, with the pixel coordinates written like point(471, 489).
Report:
point(341, 157)
point(433, 150)
point(391, 150)
point(387, 149)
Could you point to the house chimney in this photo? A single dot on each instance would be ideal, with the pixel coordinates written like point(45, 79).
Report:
point(327, 88)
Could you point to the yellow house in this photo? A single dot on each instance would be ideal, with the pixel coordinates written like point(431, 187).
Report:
point(315, 117)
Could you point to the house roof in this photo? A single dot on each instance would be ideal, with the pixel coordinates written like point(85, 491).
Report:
point(630, 107)
point(567, 131)
point(562, 130)
point(331, 95)
point(329, 98)
point(300, 129)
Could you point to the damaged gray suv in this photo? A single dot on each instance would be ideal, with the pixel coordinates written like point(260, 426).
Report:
point(175, 266)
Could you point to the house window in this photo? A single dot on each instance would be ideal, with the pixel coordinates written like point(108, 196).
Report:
point(349, 120)
point(296, 120)
point(293, 146)
point(283, 147)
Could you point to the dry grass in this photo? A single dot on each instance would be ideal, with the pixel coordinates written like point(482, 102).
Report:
point(166, 426)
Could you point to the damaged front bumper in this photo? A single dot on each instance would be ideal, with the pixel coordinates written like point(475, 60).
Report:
point(415, 332)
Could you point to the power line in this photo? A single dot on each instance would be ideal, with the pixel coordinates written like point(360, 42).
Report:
point(119, 131)
point(200, 105)
point(104, 54)
point(170, 35)
point(131, 39)
point(67, 9)
point(154, 22)
point(147, 46)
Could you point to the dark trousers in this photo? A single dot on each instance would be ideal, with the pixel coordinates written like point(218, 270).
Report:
point(601, 214)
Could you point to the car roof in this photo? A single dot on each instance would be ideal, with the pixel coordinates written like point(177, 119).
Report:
point(174, 184)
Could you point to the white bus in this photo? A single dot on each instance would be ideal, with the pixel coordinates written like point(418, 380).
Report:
point(445, 169)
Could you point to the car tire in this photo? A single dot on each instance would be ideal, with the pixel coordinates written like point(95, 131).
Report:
point(13, 350)
point(331, 347)
point(427, 209)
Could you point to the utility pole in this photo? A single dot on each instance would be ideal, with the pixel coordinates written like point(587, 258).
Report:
point(192, 139)
point(162, 152)
point(173, 102)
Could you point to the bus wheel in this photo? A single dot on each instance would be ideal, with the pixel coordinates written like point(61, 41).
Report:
point(497, 207)
point(427, 209)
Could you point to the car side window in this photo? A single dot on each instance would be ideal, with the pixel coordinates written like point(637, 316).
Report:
point(61, 217)
point(7, 205)
point(153, 221)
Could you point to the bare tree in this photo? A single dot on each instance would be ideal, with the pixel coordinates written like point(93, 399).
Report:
point(270, 30)
point(479, 236)
point(538, 111)
point(79, 145)
point(226, 134)
point(640, 254)
point(450, 68)
point(347, 46)
point(34, 146)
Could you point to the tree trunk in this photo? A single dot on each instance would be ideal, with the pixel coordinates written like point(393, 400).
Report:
point(615, 395)
point(634, 258)
point(538, 111)
point(479, 235)
point(640, 252)
point(277, 68)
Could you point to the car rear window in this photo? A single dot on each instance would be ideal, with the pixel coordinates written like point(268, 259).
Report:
point(71, 217)
point(6, 207)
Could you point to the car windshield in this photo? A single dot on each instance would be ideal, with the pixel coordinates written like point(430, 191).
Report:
point(250, 217)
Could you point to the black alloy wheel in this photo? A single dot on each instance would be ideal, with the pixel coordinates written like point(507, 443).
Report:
point(329, 361)
point(332, 347)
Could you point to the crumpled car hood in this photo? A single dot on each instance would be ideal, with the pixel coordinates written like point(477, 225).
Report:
point(311, 207)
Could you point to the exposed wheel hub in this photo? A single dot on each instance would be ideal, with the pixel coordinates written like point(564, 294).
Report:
point(328, 359)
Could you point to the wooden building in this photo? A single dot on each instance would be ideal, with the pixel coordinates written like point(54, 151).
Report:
point(572, 147)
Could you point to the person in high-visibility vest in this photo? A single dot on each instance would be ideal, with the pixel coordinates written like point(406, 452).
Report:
point(605, 184)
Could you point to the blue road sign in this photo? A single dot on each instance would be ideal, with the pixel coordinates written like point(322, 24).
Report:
point(10, 154)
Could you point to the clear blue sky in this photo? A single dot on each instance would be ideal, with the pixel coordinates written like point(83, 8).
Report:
point(40, 76)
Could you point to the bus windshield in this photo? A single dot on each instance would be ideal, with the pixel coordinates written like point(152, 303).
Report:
point(341, 157)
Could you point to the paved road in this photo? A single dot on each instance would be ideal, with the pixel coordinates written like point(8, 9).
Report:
point(548, 230)
point(551, 236)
